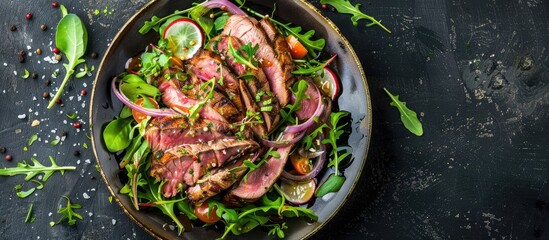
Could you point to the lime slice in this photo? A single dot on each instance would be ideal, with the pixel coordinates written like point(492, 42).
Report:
point(298, 192)
point(184, 37)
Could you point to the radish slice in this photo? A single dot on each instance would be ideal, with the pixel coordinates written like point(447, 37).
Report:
point(185, 38)
point(329, 84)
point(298, 192)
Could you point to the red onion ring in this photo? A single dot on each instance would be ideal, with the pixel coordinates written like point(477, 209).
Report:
point(147, 111)
point(319, 164)
point(230, 7)
point(283, 143)
point(305, 125)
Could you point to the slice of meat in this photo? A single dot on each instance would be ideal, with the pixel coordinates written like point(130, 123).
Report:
point(174, 98)
point(167, 132)
point(217, 181)
point(309, 104)
point(255, 121)
point(214, 154)
point(183, 165)
point(256, 81)
point(248, 30)
point(260, 180)
point(282, 50)
point(207, 65)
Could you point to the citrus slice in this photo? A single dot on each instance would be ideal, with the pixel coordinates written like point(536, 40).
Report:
point(329, 83)
point(184, 37)
point(298, 192)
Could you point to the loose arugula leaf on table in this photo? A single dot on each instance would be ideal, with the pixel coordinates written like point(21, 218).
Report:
point(33, 170)
point(407, 116)
point(344, 6)
point(68, 213)
point(71, 38)
point(29, 215)
point(32, 139)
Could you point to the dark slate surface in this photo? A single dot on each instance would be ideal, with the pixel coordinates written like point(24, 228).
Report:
point(475, 71)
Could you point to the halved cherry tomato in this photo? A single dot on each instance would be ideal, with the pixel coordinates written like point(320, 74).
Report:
point(296, 47)
point(301, 164)
point(138, 116)
point(202, 213)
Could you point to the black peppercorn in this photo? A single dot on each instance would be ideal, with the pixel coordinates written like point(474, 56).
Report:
point(43, 27)
point(64, 134)
point(2, 149)
point(76, 153)
point(93, 55)
point(46, 95)
point(13, 27)
point(47, 82)
point(21, 55)
point(34, 75)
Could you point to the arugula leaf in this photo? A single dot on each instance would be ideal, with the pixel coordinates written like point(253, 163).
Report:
point(198, 14)
point(344, 6)
point(249, 51)
point(68, 212)
point(407, 116)
point(312, 46)
point(71, 38)
point(23, 194)
point(312, 66)
point(26, 75)
point(332, 184)
point(33, 170)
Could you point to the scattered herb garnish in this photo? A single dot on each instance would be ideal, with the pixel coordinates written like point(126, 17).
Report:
point(23, 193)
point(311, 67)
point(85, 71)
point(247, 59)
point(26, 75)
point(407, 116)
point(32, 139)
point(29, 215)
point(344, 6)
point(72, 116)
point(68, 213)
point(71, 38)
point(33, 170)
point(55, 141)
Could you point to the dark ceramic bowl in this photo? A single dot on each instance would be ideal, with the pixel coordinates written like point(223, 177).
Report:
point(354, 98)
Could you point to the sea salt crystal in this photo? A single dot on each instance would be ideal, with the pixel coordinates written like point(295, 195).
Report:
point(22, 116)
point(86, 196)
point(5, 64)
point(113, 221)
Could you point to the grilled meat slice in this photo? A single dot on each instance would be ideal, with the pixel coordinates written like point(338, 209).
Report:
point(166, 132)
point(214, 155)
point(183, 165)
point(260, 180)
point(174, 98)
point(256, 81)
point(309, 104)
point(207, 65)
point(217, 181)
point(252, 111)
point(248, 30)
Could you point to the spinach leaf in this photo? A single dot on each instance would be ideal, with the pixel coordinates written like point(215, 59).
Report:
point(407, 116)
point(117, 134)
point(344, 6)
point(71, 38)
point(134, 86)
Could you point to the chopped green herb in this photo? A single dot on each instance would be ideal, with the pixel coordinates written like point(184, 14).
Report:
point(55, 141)
point(29, 215)
point(68, 213)
point(32, 139)
point(72, 116)
point(110, 199)
point(26, 75)
point(23, 194)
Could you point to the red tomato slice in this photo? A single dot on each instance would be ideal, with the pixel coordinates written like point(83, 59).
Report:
point(301, 164)
point(296, 47)
point(202, 213)
point(138, 116)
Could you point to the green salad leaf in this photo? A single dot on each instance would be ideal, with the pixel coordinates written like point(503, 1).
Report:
point(344, 6)
point(71, 38)
point(68, 213)
point(30, 171)
point(407, 116)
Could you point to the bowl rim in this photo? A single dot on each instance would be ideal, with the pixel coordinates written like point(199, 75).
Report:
point(125, 28)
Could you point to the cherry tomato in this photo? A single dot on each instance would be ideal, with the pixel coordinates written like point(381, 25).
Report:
point(301, 164)
point(138, 116)
point(202, 213)
point(296, 48)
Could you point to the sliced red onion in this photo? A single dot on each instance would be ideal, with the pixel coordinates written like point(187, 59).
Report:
point(319, 164)
point(147, 111)
point(282, 143)
point(230, 7)
point(305, 125)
